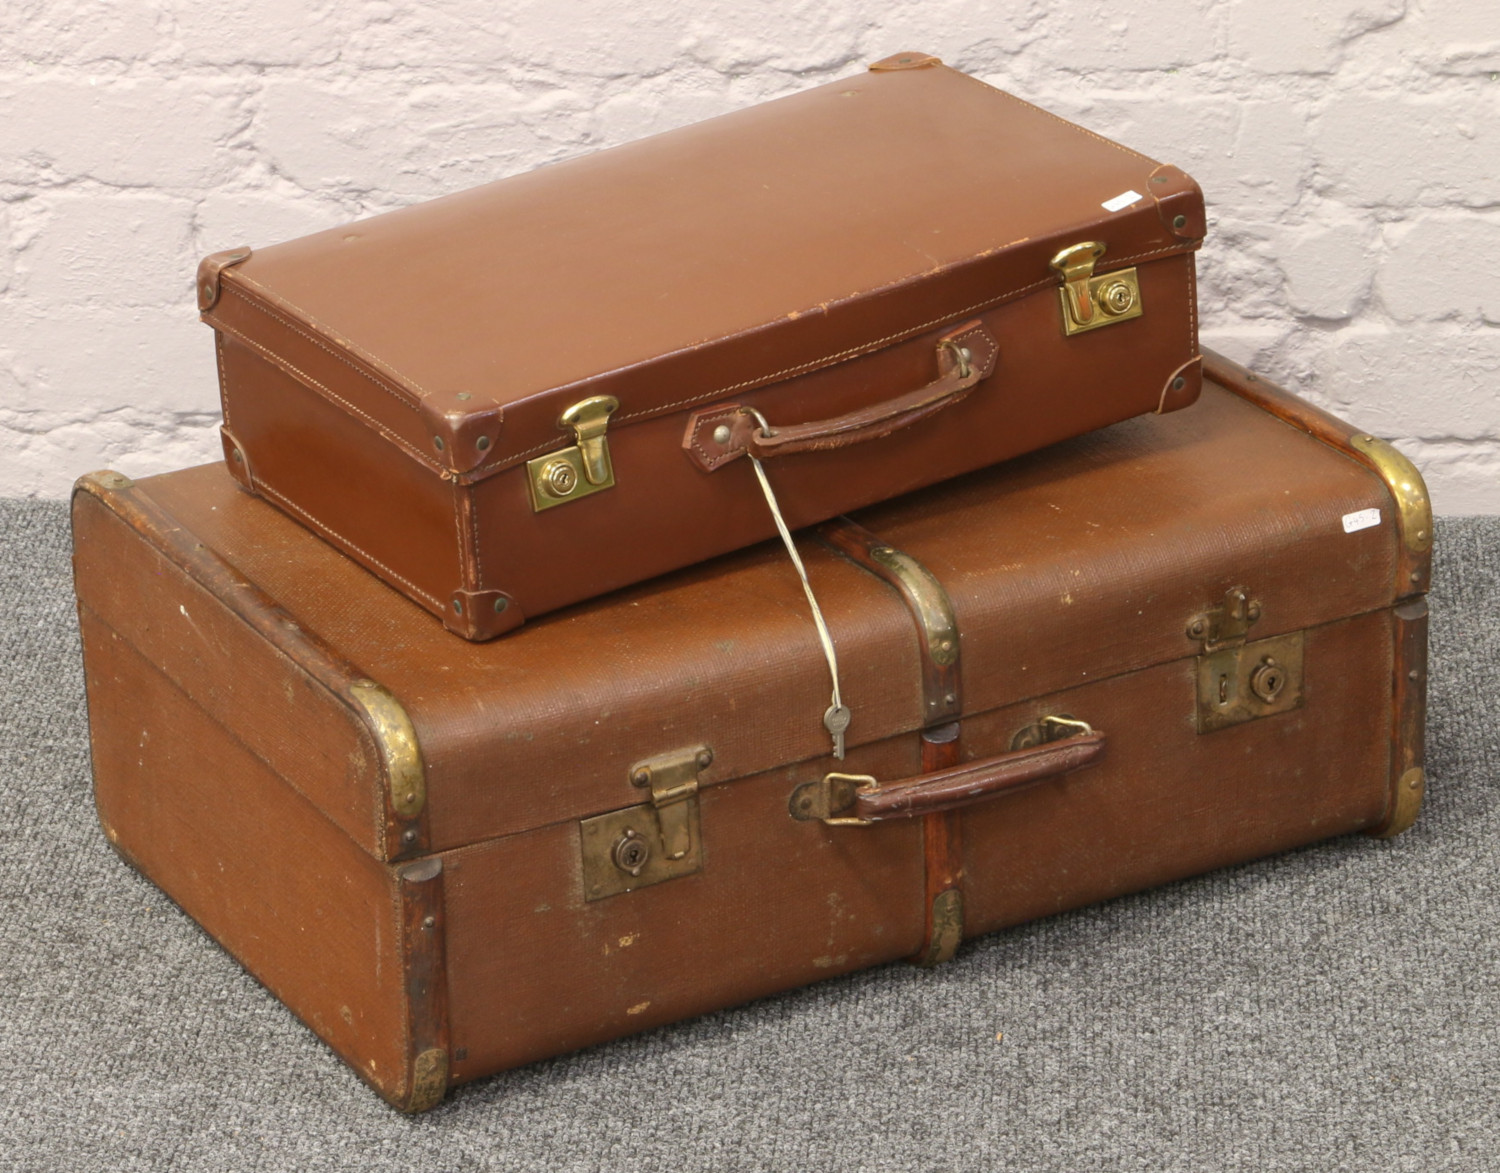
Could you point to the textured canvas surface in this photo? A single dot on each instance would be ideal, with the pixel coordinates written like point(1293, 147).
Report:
point(1333, 1009)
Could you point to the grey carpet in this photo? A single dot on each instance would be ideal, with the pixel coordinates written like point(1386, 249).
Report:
point(1335, 1009)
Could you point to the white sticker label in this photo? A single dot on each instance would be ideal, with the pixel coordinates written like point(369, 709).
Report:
point(1123, 200)
point(1364, 519)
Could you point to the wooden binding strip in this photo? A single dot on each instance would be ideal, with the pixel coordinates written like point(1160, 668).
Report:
point(942, 704)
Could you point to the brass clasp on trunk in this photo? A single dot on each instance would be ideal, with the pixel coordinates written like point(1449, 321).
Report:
point(644, 845)
point(1241, 681)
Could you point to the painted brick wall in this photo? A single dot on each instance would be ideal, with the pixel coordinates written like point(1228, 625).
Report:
point(1350, 150)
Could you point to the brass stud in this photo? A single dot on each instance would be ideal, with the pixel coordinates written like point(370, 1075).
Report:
point(1179, 221)
point(1178, 383)
point(722, 434)
point(501, 603)
point(482, 443)
point(437, 442)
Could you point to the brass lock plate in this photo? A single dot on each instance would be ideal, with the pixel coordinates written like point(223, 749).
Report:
point(558, 479)
point(623, 851)
point(644, 845)
point(1253, 680)
point(1115, 297)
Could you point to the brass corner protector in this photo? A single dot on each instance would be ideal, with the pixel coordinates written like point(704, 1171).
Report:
point(429, 1080)
point(947, 929)
point(1410, 789)
point(1413, 505)
point(394, 733)
point(106, 479)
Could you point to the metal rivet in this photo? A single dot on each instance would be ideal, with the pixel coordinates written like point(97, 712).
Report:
point(458, 607)
point(408, 798)
point(722, 434)
point(239, 457)
point(1421, 533)
point(482, 443)
point(1416, 576)
point(1178, 383)
point(409, 836)
point(1413, 675)
point(437, 442)
point(464, 395)
point(705, 759)
point(1252, 376)
point(1179, 221)
point(1158, 179)
point(641, 777)
point(501, 603)
point(429, 922)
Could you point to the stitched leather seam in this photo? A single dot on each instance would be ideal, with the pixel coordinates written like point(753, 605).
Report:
point(277, 360)
point(266, 309)
point(338, 537)
point(223, 377)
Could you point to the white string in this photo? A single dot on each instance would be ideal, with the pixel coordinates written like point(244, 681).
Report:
point(791, 548)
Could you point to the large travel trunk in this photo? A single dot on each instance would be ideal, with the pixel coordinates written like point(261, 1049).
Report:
point(1171, 645)
point(537, 391)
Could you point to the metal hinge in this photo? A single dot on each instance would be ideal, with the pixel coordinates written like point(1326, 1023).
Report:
point(585, 468)
point(644, 845)
point(1238, 680)
point(1089, 302)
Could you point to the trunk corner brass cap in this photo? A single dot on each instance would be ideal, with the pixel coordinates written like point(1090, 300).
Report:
point(429, 1080)
point(399, 751)
point(1405, 482)
point(1410, 790)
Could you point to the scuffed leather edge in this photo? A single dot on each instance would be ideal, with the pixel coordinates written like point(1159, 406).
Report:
point(1179, 202)
point(482, 615)
point(463, 433)
point(237, 460)
point(210, 268)
point(1182, 387)
point(908, 60)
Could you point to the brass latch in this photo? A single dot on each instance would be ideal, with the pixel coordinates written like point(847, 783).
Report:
point(1089, 302)
point(644, 845)
point(1241, 681)
point(585, 468)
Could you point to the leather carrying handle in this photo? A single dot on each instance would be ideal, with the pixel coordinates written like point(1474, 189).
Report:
point(858, 800)
point(965, 358)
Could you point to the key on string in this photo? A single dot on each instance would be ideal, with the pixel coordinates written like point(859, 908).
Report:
point(836, 720)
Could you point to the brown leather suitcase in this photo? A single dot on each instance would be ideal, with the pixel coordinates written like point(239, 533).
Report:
point(540, 390)
point(1175, 644)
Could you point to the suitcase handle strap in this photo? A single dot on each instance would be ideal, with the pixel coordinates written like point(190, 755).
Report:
point(858, 800)
point(717, 435)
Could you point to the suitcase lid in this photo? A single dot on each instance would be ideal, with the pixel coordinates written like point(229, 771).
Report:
point(1082, 562)
point(681, 268)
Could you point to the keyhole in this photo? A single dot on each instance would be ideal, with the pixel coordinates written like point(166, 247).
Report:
point(1223, 688)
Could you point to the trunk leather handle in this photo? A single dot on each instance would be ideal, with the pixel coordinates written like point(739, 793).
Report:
point(717, 435)
point(859, 800)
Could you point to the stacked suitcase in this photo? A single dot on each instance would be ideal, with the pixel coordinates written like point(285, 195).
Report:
point(1110, 650)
